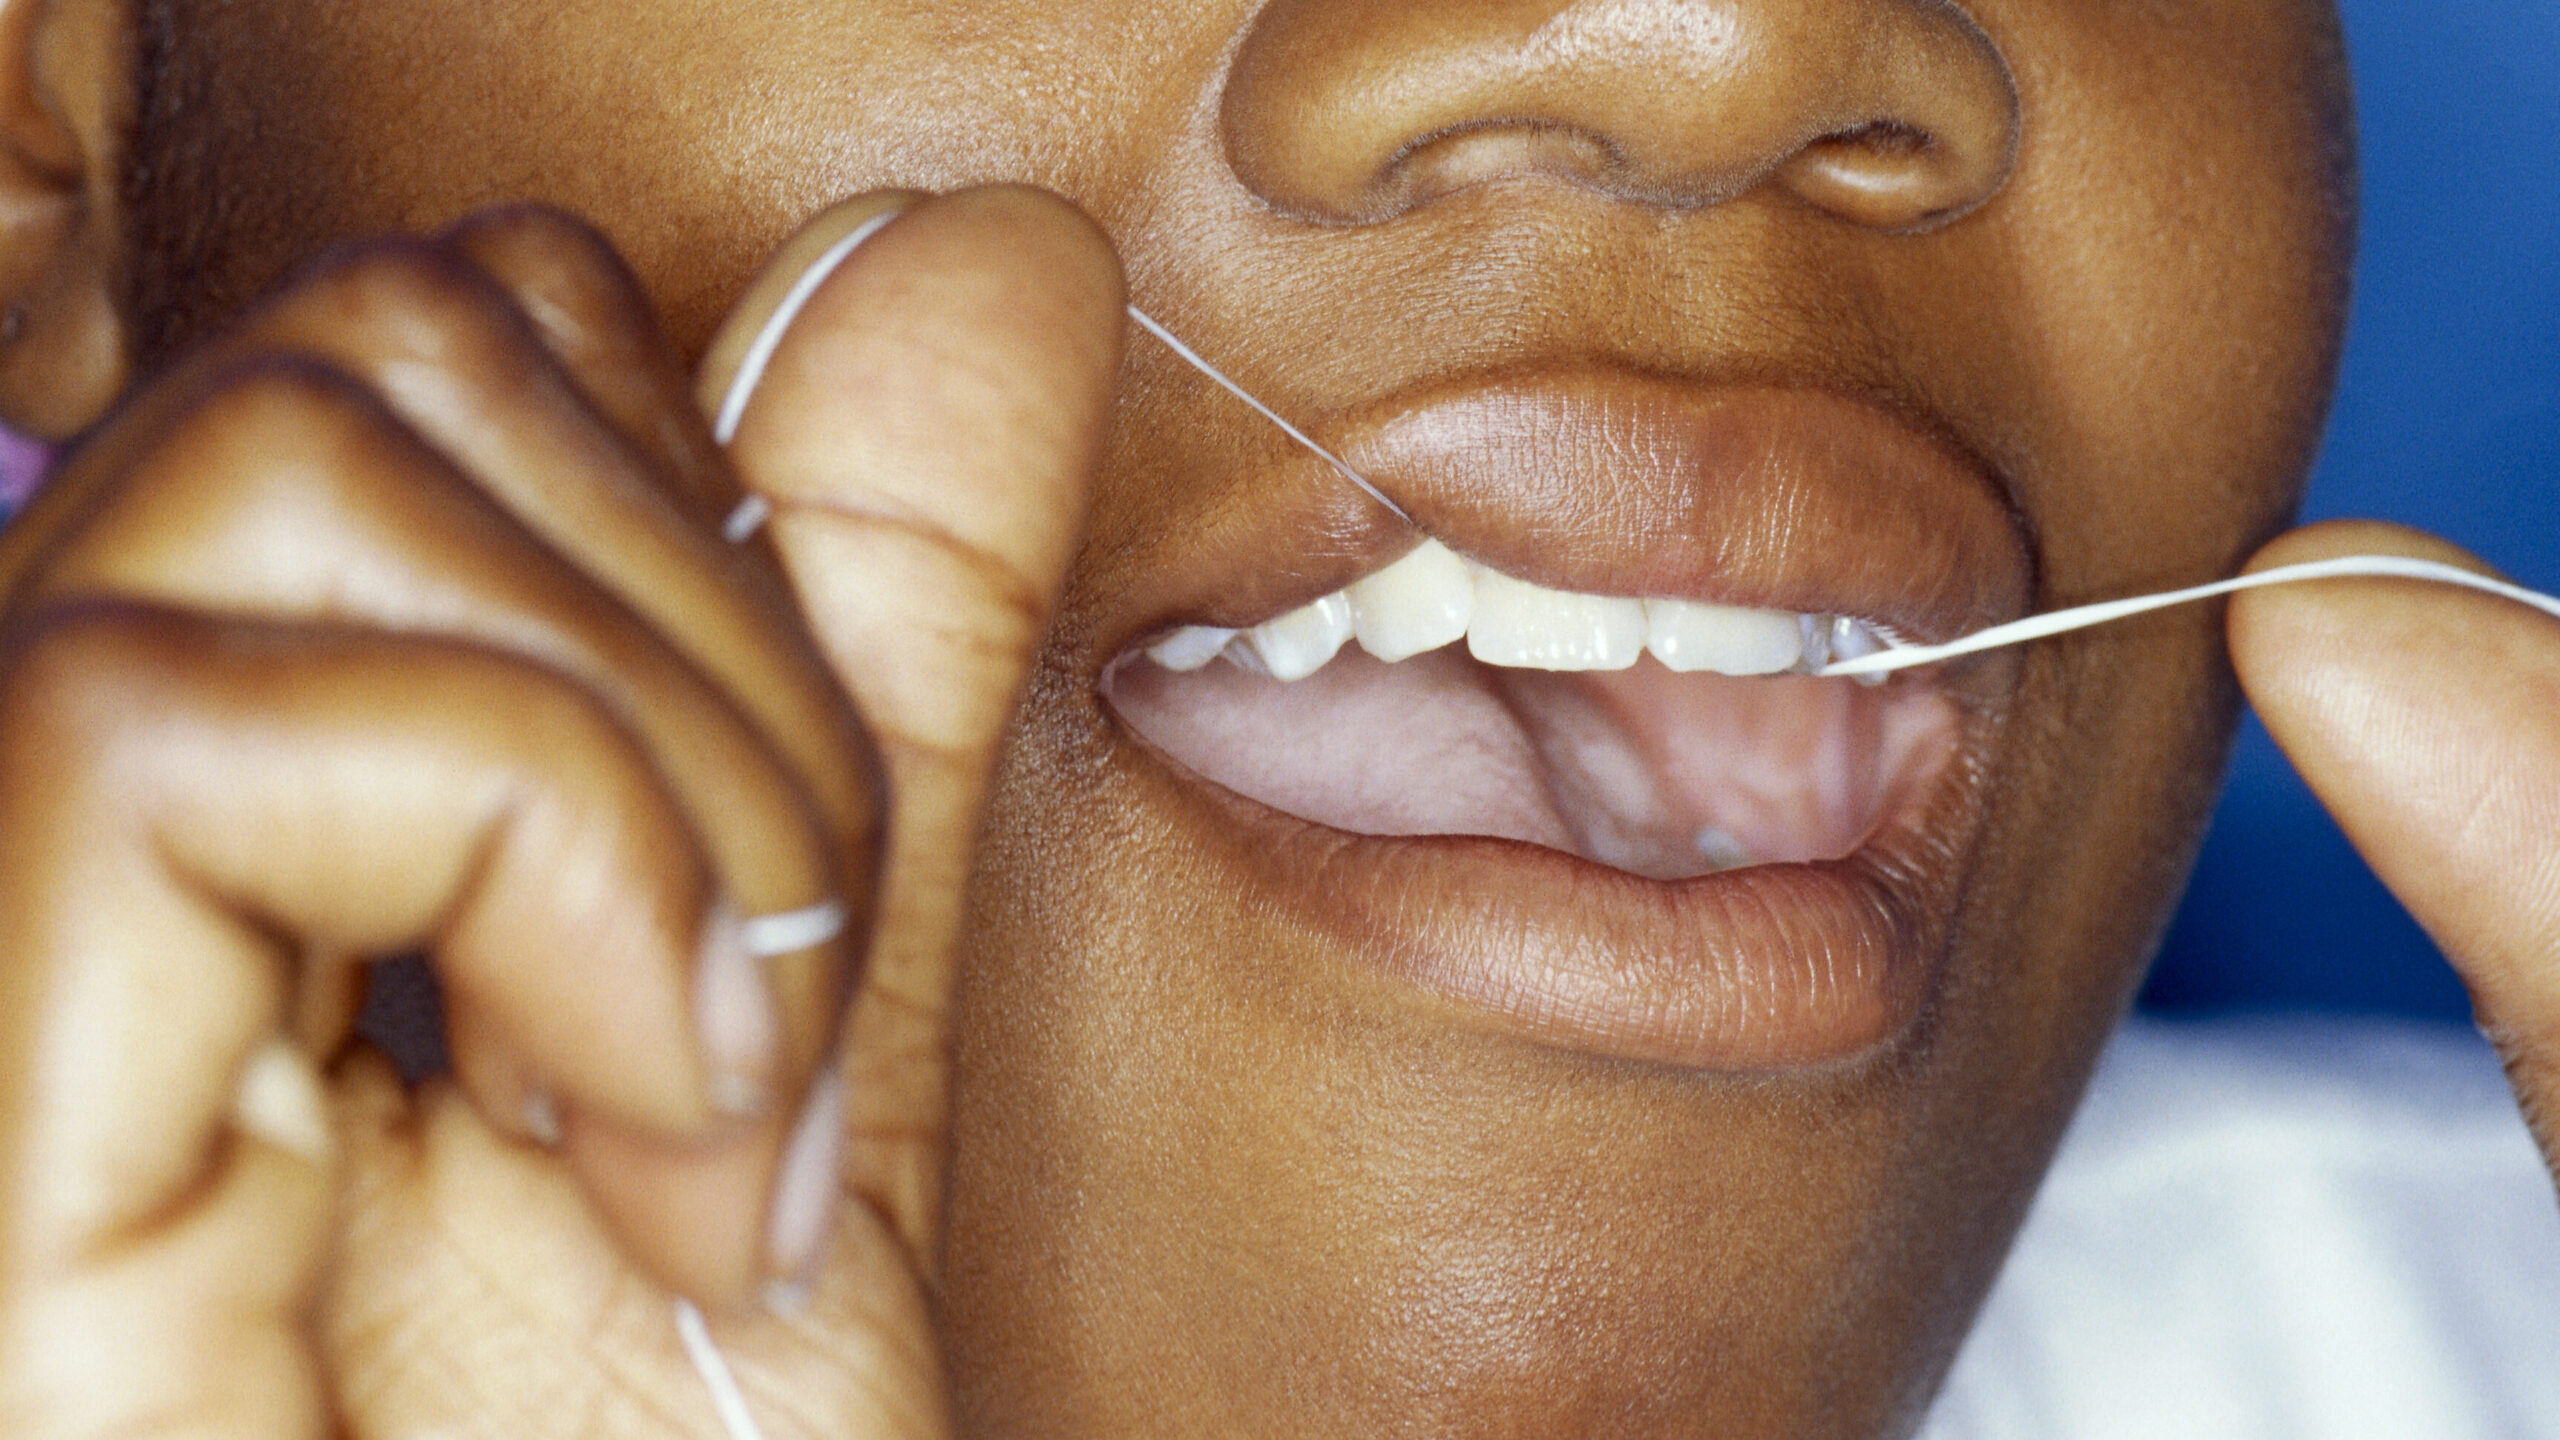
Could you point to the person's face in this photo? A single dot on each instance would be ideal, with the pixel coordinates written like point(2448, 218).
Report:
point(1281, 1111)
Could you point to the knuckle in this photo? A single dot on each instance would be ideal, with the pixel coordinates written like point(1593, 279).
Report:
point(274, 398)
point(551, 712)
point(269, 420)
point(232, 482)
point(568, 279)
point(414, 292)
point(531, 231)
point(77, 679)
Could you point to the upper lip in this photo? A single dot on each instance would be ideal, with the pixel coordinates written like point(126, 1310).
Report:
point(1602, 481)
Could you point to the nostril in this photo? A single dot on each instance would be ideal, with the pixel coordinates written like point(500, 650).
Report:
point(1883, 139)
point(1483, 151)
point(1895, 175)
point(1938, 136)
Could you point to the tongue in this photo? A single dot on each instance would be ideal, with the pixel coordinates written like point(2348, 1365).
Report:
point(1660, 774)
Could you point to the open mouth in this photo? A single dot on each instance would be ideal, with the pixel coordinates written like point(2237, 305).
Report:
point(1568, 769)
point(1666, 738)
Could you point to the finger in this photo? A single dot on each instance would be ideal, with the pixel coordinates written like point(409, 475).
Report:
point(925, 431)
point(455, 359)
point(451, 357)
point(589, 311)
point(184, 796)
point(743, 344)
point(2428, 720)
point(195, 1323)
point(294, 497)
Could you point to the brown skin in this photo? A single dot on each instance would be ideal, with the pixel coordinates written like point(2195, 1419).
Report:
point(519, 706)
point(1182, 1199)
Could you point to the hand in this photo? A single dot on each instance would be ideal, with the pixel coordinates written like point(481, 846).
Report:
point(399, 620)
point(2428, 720)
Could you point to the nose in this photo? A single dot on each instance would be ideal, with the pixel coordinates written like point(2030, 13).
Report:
point(1896, 114)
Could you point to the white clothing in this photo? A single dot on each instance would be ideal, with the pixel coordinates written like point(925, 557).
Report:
point(2260, 1230)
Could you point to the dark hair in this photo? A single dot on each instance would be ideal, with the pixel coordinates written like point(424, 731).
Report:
point(184, 223)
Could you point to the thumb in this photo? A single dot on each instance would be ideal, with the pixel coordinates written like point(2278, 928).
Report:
point(2428, 720)
point(925, 433)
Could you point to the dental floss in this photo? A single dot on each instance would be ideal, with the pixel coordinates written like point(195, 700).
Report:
point(786, 931)
point(1192, 358)
point(2037, 627)
point(781, 932)
point(726, 1398)
point(746, 520)
point(742, 386)
point(752, 512)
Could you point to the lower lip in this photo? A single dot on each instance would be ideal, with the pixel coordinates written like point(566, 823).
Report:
point(1763, 967)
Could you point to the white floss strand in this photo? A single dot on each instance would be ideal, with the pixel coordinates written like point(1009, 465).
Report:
point(753, 511)
point(782, 932)
point(1192, 358)
point(2080, 617)
point(726, 1398)
point(746, 520)
point(742, 386)
point(787, 932)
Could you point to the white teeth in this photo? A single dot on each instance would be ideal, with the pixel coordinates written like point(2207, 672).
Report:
point(1431, 597)
point(1190, 647)
point(1532, 627)
point(1686, 635)
point(1421, 602)
point(1815, 633)
point(1302, 642)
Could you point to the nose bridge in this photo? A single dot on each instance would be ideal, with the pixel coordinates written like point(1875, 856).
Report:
point(1891, 113)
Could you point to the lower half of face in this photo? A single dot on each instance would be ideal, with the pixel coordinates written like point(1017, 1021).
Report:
point(1462, 976)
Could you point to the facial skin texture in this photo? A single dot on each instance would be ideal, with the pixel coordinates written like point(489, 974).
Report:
point(1212, 1172)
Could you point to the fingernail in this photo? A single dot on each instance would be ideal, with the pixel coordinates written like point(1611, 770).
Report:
point(279, 1100)
point(789, 1298)
point(734, 1013)
point(542, 1119)
point(805, 1191)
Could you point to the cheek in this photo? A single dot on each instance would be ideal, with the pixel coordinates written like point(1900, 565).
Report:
point(696, 136)
point(2173, 252)
point(2151, 311)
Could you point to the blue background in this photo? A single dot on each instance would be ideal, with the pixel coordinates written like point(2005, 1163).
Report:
point(2448, 418)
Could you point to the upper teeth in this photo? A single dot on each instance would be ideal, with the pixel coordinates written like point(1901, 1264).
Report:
point(1433, 597)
